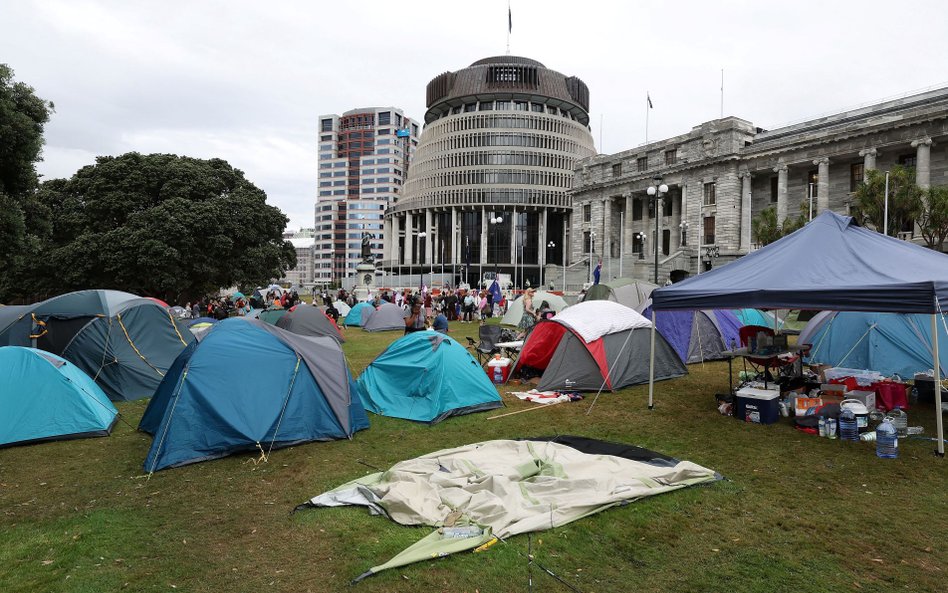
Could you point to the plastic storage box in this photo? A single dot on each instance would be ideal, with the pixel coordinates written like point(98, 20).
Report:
point(757, 405)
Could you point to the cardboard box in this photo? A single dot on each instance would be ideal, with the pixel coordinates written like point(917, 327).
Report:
point(802, 404)
point(833, 388)
point(820, 370)
point(868, 398)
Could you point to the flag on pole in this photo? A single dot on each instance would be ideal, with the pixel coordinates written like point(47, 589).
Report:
point(649, 99)
point(494, 290)
point(509, 19)
point(597, 272)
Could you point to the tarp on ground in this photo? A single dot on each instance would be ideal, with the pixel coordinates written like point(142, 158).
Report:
point(428, 377)
point(386, 318)
point(45, 397)
point(508, 488)
point(515, 309)
point(596, 345)
point(885, 342)
point(307, 320)
point(251, 386)
point(698, 336)
point(354, 316)
point(125, 343)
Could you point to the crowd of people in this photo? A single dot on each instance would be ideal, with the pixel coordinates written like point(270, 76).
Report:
point(238, 305)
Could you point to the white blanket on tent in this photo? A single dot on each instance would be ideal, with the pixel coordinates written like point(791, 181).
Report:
point(594, 319)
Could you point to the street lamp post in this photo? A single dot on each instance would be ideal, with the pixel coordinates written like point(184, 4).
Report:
point(495, 223)
point(549, 246)
point(592, 253)
point(683, 227)
point(641, 237)
point(421, 263)
point(656, 191)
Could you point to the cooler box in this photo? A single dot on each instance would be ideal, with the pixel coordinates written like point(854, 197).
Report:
point(498, 369)
point(756, 405)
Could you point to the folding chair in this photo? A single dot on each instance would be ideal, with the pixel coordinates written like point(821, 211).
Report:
point(489, 336)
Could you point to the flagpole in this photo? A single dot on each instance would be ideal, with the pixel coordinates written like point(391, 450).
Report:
point(722, 93)
point(509, 26)
point(646, 116)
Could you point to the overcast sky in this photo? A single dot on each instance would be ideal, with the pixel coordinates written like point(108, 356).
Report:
point(246, 81)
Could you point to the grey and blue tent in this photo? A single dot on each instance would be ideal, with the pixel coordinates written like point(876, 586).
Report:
point(250, 386)
point(45, 398)
point(124, 342)
point(698, 336)
point(428, 377)
point(355, 315)
point(307, 320)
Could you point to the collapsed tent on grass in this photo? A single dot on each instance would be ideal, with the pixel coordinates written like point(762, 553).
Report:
point(634, 294)
point(428, 377)
point(251, 386)
point(830, 264)
point(307, 320)
point(387, 317)
point(515, 309)
point(891, 343)
point(355, 316)
point(504, 488)
point(46, 398)
point(698, 336)
point(124, 342)
point(596, 345)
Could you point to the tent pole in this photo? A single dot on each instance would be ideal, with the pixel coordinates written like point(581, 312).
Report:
point(651, 368)
point(939, 424)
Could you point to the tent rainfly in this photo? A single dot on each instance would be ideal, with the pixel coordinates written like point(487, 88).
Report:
point(387, 317)
point(515, 309)
point(830, 264)
point(307, 320)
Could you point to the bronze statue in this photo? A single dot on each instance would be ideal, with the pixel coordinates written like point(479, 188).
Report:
point(367, 249)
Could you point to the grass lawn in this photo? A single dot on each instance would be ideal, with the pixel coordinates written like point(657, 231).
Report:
point(796, 513)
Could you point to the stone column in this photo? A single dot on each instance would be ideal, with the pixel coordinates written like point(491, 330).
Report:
point(387, 240)
point(627, 233)
point(822, 184)
point(868, 161)
point(409, 239)
point(514, 252)
point(923, 162)
point(429, 238)
point(454, 236)
point(606, 228)
point(781, 171)
point(484, 237)
point(745, 211)
point(542, 240)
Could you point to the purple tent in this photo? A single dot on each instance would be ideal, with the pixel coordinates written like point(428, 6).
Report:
point(698, 335)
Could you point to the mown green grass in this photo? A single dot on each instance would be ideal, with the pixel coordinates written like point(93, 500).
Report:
point(796, 512)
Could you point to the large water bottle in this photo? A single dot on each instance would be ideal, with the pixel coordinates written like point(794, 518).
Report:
point(848, 429)
point(887, 440)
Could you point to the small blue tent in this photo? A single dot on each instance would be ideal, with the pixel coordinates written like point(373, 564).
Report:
point(885, 342)
point(355, 316)
point(755, 317)
point(44, 397)
point(698, 335)
point(427, 376)
point(250, 386)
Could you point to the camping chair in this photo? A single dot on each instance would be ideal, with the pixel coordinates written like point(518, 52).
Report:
point(762, 362)
point(485, 349)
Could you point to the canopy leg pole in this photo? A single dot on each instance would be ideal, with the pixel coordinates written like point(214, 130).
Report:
point(939, 424)
point(651, 367)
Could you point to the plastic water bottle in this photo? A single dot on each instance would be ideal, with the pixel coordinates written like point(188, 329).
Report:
point(887, 440)
point(831, 428)
point(848, 429)
point(821, 423)
point(462, 531)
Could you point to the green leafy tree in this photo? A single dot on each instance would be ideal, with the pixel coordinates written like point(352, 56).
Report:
point(22, 117)
point(933, 217)
point(905, 199)
point(766, 230)
point(162, 225)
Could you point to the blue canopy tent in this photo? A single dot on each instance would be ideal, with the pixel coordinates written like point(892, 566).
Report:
point(45, 398)
point(212, 403)
point(427, 376)
point(891, 343)
point(830, 264)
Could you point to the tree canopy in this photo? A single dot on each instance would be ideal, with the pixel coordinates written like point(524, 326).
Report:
point(22, 117)
point(933, 217)
point(905, 199)
point(161, 225)
point(766, 230)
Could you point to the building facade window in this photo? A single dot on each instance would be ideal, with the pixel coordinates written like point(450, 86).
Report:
point(856, 171)
point(641, 163)
point(587, 213)
point(668, 203)
point(710, 197)
point(617, 170)
point(774, 184)
point(325, 125)
point(587, 242)
point(636, 209)
point(666, 241)
point(908, 160)
point(708, 230)
point(671, 156)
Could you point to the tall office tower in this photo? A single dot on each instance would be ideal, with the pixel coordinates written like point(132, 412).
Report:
point(363, 159)
point(488, 186)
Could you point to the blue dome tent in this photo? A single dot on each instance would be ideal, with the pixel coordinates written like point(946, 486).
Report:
point(45, 397)
point(428, 377)
point(250, 386)
point(355, 316)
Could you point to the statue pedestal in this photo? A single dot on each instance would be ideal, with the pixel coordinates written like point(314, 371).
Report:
point(365, 281)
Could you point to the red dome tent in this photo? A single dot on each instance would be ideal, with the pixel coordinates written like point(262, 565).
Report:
point(596, 345)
